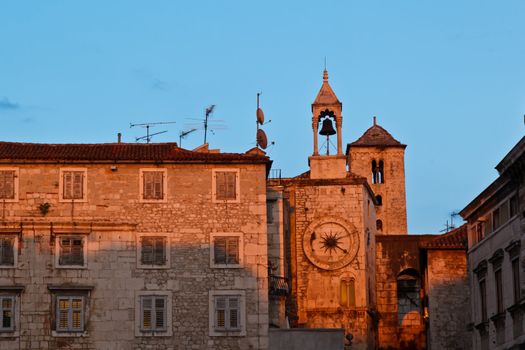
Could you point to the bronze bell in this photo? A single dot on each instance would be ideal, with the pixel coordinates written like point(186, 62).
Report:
point(328, 128)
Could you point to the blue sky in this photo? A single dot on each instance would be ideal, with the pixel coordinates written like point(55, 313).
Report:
point(446, 78)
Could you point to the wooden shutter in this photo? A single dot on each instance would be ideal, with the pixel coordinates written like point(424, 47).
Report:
point(219, 250)
point(77, 322)
point(231, 185)
point(234, 312)
point(147, 313)
point(7, 184)
point(67, 185)
point(71, 251)
point(220, 313)
point(232, 250)
point(159, 251)
point(153, 187)
point(226, 185)
point(78, 185)
point(146, 252)
point(160, 313)
point(220, 185)
point(7, 253)
point(63, 314)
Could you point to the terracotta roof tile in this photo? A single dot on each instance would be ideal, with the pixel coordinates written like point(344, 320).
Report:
point(157, 152)
point(455, 239)
point(377, 136)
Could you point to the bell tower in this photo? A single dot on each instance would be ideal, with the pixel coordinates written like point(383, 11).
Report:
point(327, 110)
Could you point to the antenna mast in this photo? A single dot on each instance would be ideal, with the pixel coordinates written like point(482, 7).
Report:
point(147, 126)
point(183, 134)
point(209, 110)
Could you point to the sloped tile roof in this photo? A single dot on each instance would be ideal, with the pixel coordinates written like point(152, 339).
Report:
point(157, 152)
point(455, 239)
point(377, 136)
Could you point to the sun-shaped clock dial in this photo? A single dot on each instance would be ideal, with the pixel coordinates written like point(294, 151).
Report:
point(331, 242)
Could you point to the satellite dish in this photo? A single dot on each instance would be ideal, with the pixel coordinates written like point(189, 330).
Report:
point(262, 140)
point(260, 116)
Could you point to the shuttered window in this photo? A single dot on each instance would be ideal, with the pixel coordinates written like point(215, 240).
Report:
point(7, 250)
point(153, 309)
point(226, 185)
point(7, 313)
point(70, 314)
point(227, 313)
point(153, 250)
point(73, 184)
point(153, 185)
point(226, 250)
point(71, 251)
point(7, 184)
point(347, 293)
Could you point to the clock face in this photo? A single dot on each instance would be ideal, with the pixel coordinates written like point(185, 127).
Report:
point(331, 243)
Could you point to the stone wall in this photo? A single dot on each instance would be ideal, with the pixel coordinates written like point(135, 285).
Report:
point(110, 219)
point(393, 210)
point(449, 297)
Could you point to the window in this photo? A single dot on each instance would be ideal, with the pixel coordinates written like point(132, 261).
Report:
point(379, 200)
point(379, 226)
point(513, 204)
point(7, 313)
point(71, 251)
point(70, 314)
point(226, 250)
point(9, 184)
point(153, 185)
point(479, 232)
point(153, 251)
point(8, 250)
point(377, 172)
point(408, 299)
point(347, 293)
point(73, 184)
point(499, 289)
point(153, 314)
point(227, 313)
point(495, 219)
point(10, 310)
point(226, 185)
point(516, 279)
point(483, 299)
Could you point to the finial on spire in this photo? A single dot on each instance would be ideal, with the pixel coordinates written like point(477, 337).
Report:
point(325, 75)
point(374, 120)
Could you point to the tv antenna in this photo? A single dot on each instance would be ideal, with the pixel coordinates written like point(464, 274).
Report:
point(450, 226)
point(206, 123)
point(183, 134)
point(260, 137)
point(148, 136)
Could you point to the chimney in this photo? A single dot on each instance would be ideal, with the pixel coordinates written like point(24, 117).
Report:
point(119, 137)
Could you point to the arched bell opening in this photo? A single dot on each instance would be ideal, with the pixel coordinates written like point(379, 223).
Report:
point(327, 119)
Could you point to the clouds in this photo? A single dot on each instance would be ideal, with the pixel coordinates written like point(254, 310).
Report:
point(7, 105)
point(159, 85)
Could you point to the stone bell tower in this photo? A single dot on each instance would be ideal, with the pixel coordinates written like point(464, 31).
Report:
point(327, 109)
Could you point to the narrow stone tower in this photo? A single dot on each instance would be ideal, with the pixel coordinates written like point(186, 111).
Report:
point(327, 109)
point(380, 158)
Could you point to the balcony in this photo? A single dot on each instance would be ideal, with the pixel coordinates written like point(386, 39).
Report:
point(278, 286)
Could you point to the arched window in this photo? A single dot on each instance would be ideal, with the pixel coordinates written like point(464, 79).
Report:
point(374, 172)
point(408, 298)
point(379, 226)
point(347, 292)
point(379, 200)
point(381, 173)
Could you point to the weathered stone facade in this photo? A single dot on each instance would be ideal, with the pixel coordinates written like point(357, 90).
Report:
point(110, 221)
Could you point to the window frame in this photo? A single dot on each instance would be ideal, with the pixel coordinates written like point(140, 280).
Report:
point(167, 251)
point(61, 292)
point(240, 237)
point(237, 185)
point(16, 184)
point(167, 331)
point(227, 332)
point(14, 293)
point(58, 247)
point(61, 198)
point(15, 236)
point(164, 198)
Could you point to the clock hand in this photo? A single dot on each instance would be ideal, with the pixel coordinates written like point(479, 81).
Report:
point(344, 250)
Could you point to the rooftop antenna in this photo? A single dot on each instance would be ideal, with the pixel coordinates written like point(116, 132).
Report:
point(450, 226)
point(183, 134)
point(208, 111)
point(147, 126)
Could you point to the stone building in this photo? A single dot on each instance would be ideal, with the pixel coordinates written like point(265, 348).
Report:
point(496, 224)
point(132, 246)
point(339, 236)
